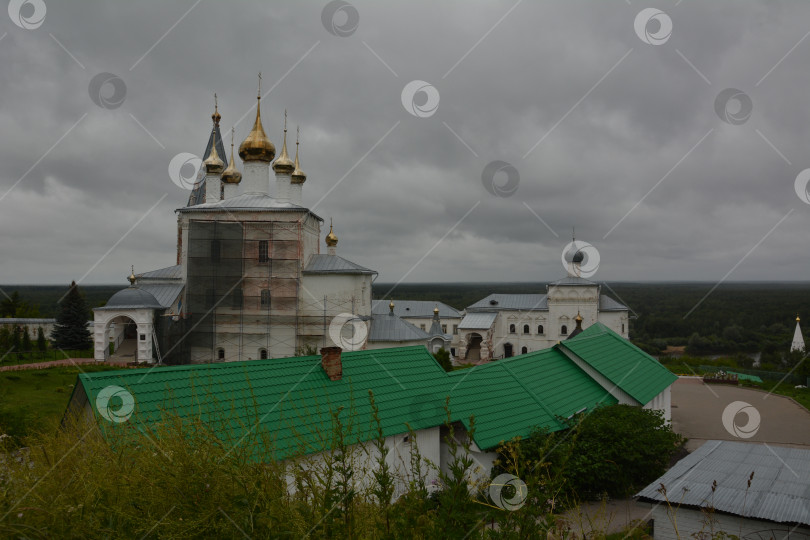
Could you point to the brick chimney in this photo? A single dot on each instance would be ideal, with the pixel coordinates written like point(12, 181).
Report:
point(331, 364)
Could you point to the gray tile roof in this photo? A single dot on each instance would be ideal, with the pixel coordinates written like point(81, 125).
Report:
point(780, 489)
point(333, 264)
point(391, 328)
point(170, 272)
point(421, 309)
point(164, 293)
point(132, 298)
point(607, 303)
point(525, 302)
point(477, 320)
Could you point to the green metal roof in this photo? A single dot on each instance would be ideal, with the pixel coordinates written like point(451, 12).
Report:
point(512, 397)
point(622, 363)
point(290, 400)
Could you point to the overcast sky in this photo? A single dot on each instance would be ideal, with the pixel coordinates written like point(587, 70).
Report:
point(603, 117)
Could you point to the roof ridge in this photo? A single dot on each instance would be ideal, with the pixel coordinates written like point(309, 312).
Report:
point(534, 396)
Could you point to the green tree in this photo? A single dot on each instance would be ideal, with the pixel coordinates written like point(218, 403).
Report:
point(26, 341)
point(442, 356)
point(42, 343)
point(70, 330)
point(14, 306)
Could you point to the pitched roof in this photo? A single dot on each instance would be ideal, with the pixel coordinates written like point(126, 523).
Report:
point(779, 490)
point(607, 303)
point(512, 397)
point(525, 302)
point(198, 192)
point(248, 202)
point(477, 321)
point(294, 400)
point(333, 264)
point(170, 272)
point(422, 309)
point(164, 293)
point(392, 328)
point(621, 362)
point(289, 399)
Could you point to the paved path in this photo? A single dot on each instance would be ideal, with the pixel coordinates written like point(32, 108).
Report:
point(697, 413)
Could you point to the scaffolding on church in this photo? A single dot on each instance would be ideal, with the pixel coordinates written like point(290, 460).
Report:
point(244, 296)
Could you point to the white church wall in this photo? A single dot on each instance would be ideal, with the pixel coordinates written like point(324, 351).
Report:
point(616, 321)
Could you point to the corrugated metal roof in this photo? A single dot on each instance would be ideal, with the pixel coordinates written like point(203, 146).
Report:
point(333, 264)
point(164, 293)
point(780, 489)
point(477, 320)
point(421, 309)
point(170, 272)
point(392, 328)
point(538, 387)
point(508, 398)
point(525, 302)
point(621, 362)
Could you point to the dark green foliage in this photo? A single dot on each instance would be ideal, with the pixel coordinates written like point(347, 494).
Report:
point(612, 450)
point(14, 306)
point(42, 343)
point(70, 330)
point(442, 356)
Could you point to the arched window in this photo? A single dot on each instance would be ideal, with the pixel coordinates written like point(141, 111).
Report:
point(524, 350)
point(263, 354)
point(512, 329)
point(265, 298)
point(564, 330)
point(540, 329)
point(622, 328)
point(221, 354)
point(526, 329)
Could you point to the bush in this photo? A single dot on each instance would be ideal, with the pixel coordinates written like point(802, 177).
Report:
point(614, 450)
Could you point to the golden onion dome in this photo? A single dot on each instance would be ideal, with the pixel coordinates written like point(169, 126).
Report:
point(578, 318)
point(436, 310)
point(213, 163)
point(132, 277)
point(231, 175)
point(257, 147)
point(331, 238)
point(283, 164)
point(391, 306)
point(298, 176)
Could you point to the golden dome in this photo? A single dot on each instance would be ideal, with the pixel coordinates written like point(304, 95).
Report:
point(257, 147)
point(578, 318)
point(331, 238)
point(298, 176)
point(283, 164)
point(436, 310)
point(391, 306)
point(213, 164)
point(231, 175)
point(132, 277)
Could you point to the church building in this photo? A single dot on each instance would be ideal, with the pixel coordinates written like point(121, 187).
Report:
point(250, 280)
point(505, 325)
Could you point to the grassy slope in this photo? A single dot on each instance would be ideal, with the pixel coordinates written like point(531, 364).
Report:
point(35, 399)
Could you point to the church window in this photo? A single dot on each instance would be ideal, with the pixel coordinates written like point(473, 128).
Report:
point(512, 329)
point(265, 298)
point(215, 250)
point(422, 326)
point(444, 329)
point(455, 329)
point(524, 350)
point(622, 328)
point(263, 354)
point(526, 329)
point(540, 329)
point(564, 330)
point(143, 337)
point(221, 354)
point(263, 251)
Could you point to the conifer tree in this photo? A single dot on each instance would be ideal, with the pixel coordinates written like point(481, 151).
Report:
point(42, 344)
point(70, 330)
